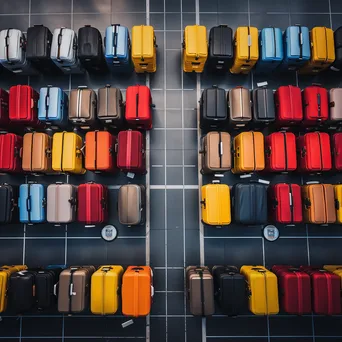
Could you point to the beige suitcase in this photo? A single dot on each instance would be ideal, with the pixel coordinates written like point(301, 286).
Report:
point(240, 106)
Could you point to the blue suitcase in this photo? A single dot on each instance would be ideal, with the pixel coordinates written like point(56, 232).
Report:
point(271, 49)
point(296, 47)
point(53, 107)
point(117, 48)
point(32, 203)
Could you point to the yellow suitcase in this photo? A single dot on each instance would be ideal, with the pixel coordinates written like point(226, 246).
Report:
point(338, 202)
point(246, 49)
point(322, 50)
point(215, 204)
point(105, 284)
point(144, 49)
point(249, 155)
point(263, 290)
point(66, 153)
point(195, 48)
point(337, 269)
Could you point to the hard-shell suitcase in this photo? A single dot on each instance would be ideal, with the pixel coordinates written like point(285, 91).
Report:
point(248, 150)
point(4, 108)
point(215, 204)
point(137, 291)
point(263, 290)
point(131, 152)
point(200, 286)
point(66, 153)
point(246, 49)
point(105, 286)
point(285, 203)
point(318, 203)
point(336, 269)
point(61, 203)
point(36, 154)
point(335, 106)
point(10, 147)
point(74, 289)
point(337, 64)
point(144, 49)
point(139, 107)
point(8, 204)
point(92, 203)
point(131, 204)
point(32, 203)
point(263, 107)
point(240, 106)
point(337, 151)
point(314, 152)
point(221, 48)
point(195, 48)
point(216, 152)
point(213, 109)
point(338, 202)
point(230, 290)
point(280, 151)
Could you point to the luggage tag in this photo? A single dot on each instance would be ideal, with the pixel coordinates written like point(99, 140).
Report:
point(264, 181)
point(262, 84)
point(127, 323)
point(130, 175)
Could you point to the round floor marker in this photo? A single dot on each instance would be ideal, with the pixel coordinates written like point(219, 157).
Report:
point(109, 233)
point(271, 233)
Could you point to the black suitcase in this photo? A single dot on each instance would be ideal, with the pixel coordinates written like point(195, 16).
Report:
point(213, 109)
point(221, 49)
point(337, 65)
point(90, 49)
point(250, 203)
point(8, 203)
point(263, 107)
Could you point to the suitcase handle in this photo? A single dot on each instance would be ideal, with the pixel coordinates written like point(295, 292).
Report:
point(337, 204)
point(204, 204)
point(137, 269)
point(307, 203)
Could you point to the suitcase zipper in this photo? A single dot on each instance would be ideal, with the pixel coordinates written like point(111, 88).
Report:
point(28, 203)
point(59, 43)
point(285, 151)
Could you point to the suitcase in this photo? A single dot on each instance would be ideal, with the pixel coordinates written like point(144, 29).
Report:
point(8, 204)
point(216, 152)
point(337, 151)
point(66, 153)
point(263, 290)
point(215, 204)
point(144, 49)
point(248, 150)
point(131, 204)
point(137, 291)
point(105, 289)
point(139, 107)
point(336, 269)
point(10, 147)
point(335, 106)
point(61, 203)
point(110, 107)
point(263, 107)
point(131, 152)
point(337, 64)
point(246, 49)
point(318, 203)
point(280, 151)
point(4, 112)
point(322, 50)
point(74, 289)
point(288, 101)
point(36, 154)
point(294, 290)
point(240, 106)
point(32, 203)
point(195, 48)
point(230, 290)
point(314, 152)
point(285, 203)
point(221, 48)
point(213, 109)
point(53, 107)
point(200, 287)
point(82, 107)
point(338, 202)
point(92, 203)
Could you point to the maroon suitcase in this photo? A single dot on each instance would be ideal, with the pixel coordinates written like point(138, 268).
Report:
point(4, 105)
point(92, 203)
point(10, 150)
point(337, 151)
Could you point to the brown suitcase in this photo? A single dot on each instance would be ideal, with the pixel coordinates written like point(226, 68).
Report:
point(240, 106)
point(216, 152)
point(36, 154)
point(335, 104)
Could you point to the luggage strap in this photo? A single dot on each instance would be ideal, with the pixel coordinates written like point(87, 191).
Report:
point(320, 150)
point(79, 102)
point(241, 102)
point(291, 201)
point(300, 39)
point(62, 150)
point(71, 287)
point(254, 152)
point(28, 202)
point(319, 106)
point(115, 41)
point(266, 292)
point(249, 43)
point(31, 155)
point(104, 273)
point(137, 105)
point(299, 292)
point(274, 42)
point(329, 290)
point(325, 205)
point(326, 46)
point(285, 150)
point(7, 45)
point(136, 293)
point(200, 273)
point(59, 43)
point(95, 154)
point(47, 102)
point(220, 149)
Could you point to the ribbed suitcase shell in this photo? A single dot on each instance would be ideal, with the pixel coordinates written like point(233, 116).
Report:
point(32, 203)
point(336, 269)
point(337, 151)
point(240, 106)
point(4, 108)
point(8, 203)
point(337, 64)
point(335, 105)
point(315, 102)
point(10, 147)
point(263, 106)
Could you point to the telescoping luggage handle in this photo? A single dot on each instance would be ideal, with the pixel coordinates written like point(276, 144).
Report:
point(28, 203)
point(115, 42)
point(59, 42)
point(301, 42)
point(199, 271)
point(71, 286)
point(47, 102)
point(7, 46)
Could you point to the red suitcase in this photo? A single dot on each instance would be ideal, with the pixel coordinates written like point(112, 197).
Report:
point(281, 152)
point(337, 151)
point(4, 115)
point(131, 152)
point(314, 152)
point(10, 150)
point(92, 206)
point(286, 203)
point(295, 289)
point(288, 100)
point(139, 107)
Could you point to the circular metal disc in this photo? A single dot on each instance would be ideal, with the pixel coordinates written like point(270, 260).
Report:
point(271, 233)
point(109, 233)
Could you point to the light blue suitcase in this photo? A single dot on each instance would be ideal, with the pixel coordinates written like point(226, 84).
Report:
point(32, 203)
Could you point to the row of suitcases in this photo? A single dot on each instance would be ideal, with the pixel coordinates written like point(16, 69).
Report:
point(295, 291)
point(64, 52)
point(64, 203)
point(84, 109)
point(271, 50)
point(77, 288)
point(288, 106)
point(256, 204)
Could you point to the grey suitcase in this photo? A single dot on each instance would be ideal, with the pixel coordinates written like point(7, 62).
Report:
point(335, 105)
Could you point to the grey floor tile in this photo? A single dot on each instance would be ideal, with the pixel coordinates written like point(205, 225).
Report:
point(156, 6)
point(90, 6)
point(188, 6)
point(190, 157)
point(317, 6)
point(194, 328)
point(236, 6)
point(157, 158)
point(16, 6)
point(159, 307)
point(190, 140)
point(159, 280)
point(100, 21)
point(10, 327)
point(291, 326)
point(175, 280)
point(173, 71)
point(190, 118)
point(311, 20)
point(206, 6)
point(190, 99)
point(233, 20)
point(324, 251)
point(336, 6)
point(189, 80)
point(157, 21)
point(157, 140)
point(158, 329)
point(158, 98)
point(157, 252)
point(158, 118)
point(129, 20)
point(209, 19)
point(175, 304)
point(129, 6)
point(172, 21)
point(191, 209)
point(174, 39)
point(188, 19)
point(174, 157)
point(43, 327)
point(20, 22)
point(174, 140)
point(15, 230)
point(174, 202)
point(173, 117)
point(174, 175)
point(176, 328)
point(45, 230)
point(192, 253)
point(11, 252)
point(327, 326)
point(50, 6)
point(157, 175)
point(190, 176)
point(269, 6)
point(173, 98)
point(157, 202)
point(157, 79)
point(261, 20)
point(175, 248)
point(173, 6)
